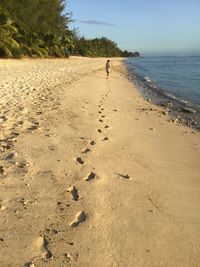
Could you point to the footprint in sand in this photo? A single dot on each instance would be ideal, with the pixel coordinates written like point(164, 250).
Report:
point(80, 217)
point(42, 246)
point(74, 192)
point(125, 176)
point(99, 130)
point(92, 143)
point(33, 126)
point(106, 126)
point(99, 112)
point(103, 116)
point(79, 160)
point(1, 170)
point(90, 176)
point(115, 110)
point(86, 151)
point(105, 139)
point(100, 120)
point(29, 264)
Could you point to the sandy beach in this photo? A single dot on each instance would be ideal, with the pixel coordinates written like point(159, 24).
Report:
point(92, 174)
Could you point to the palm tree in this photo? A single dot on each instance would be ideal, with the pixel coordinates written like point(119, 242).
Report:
point(67, 43)
point(53, 45)
point(8, 46)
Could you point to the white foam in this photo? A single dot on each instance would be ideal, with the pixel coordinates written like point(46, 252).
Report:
point(147, 79)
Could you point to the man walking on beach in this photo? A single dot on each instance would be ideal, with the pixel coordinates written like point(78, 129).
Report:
point(108, 68)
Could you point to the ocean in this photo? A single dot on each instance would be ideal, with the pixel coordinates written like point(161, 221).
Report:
point(179, 76)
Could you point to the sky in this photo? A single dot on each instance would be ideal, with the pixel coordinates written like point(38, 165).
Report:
point(152, 27)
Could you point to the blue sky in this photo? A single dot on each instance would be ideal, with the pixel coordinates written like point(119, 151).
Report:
point(163, 27)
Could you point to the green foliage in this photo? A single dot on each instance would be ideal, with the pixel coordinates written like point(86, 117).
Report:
point(102, 47)
point(4, 51)
point(39, 28)
point(98, 47)
point(9, 47)
point(39, 16)
point(126, 53)
point(45, 34)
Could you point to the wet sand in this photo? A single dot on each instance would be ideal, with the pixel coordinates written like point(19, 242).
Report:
point(91, 172)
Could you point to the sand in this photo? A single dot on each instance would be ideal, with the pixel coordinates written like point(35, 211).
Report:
point(91, 173)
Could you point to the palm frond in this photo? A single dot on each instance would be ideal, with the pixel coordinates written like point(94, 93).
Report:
point(8, 41)
point(35, 51)
point(9, 28)
point(4, 51)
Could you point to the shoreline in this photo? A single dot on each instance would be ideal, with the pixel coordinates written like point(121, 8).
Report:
point(180, 111)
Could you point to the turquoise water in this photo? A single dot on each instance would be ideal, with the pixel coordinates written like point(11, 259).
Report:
point(179, 76)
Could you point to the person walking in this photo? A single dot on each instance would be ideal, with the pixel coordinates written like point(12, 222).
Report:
point(108, 68)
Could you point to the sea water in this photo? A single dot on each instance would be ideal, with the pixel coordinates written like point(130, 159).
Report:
point(180, 76)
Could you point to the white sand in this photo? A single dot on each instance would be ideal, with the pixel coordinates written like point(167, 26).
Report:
point(92, 174)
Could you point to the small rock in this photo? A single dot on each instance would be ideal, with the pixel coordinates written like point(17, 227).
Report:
point(188, 110)
point(11, 157)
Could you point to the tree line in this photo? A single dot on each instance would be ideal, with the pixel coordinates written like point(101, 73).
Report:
point(39, 28)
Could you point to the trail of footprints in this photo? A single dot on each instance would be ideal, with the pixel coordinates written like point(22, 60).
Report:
point(81, 216)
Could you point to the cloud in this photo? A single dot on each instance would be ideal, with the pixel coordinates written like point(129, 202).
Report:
point(96, 22)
